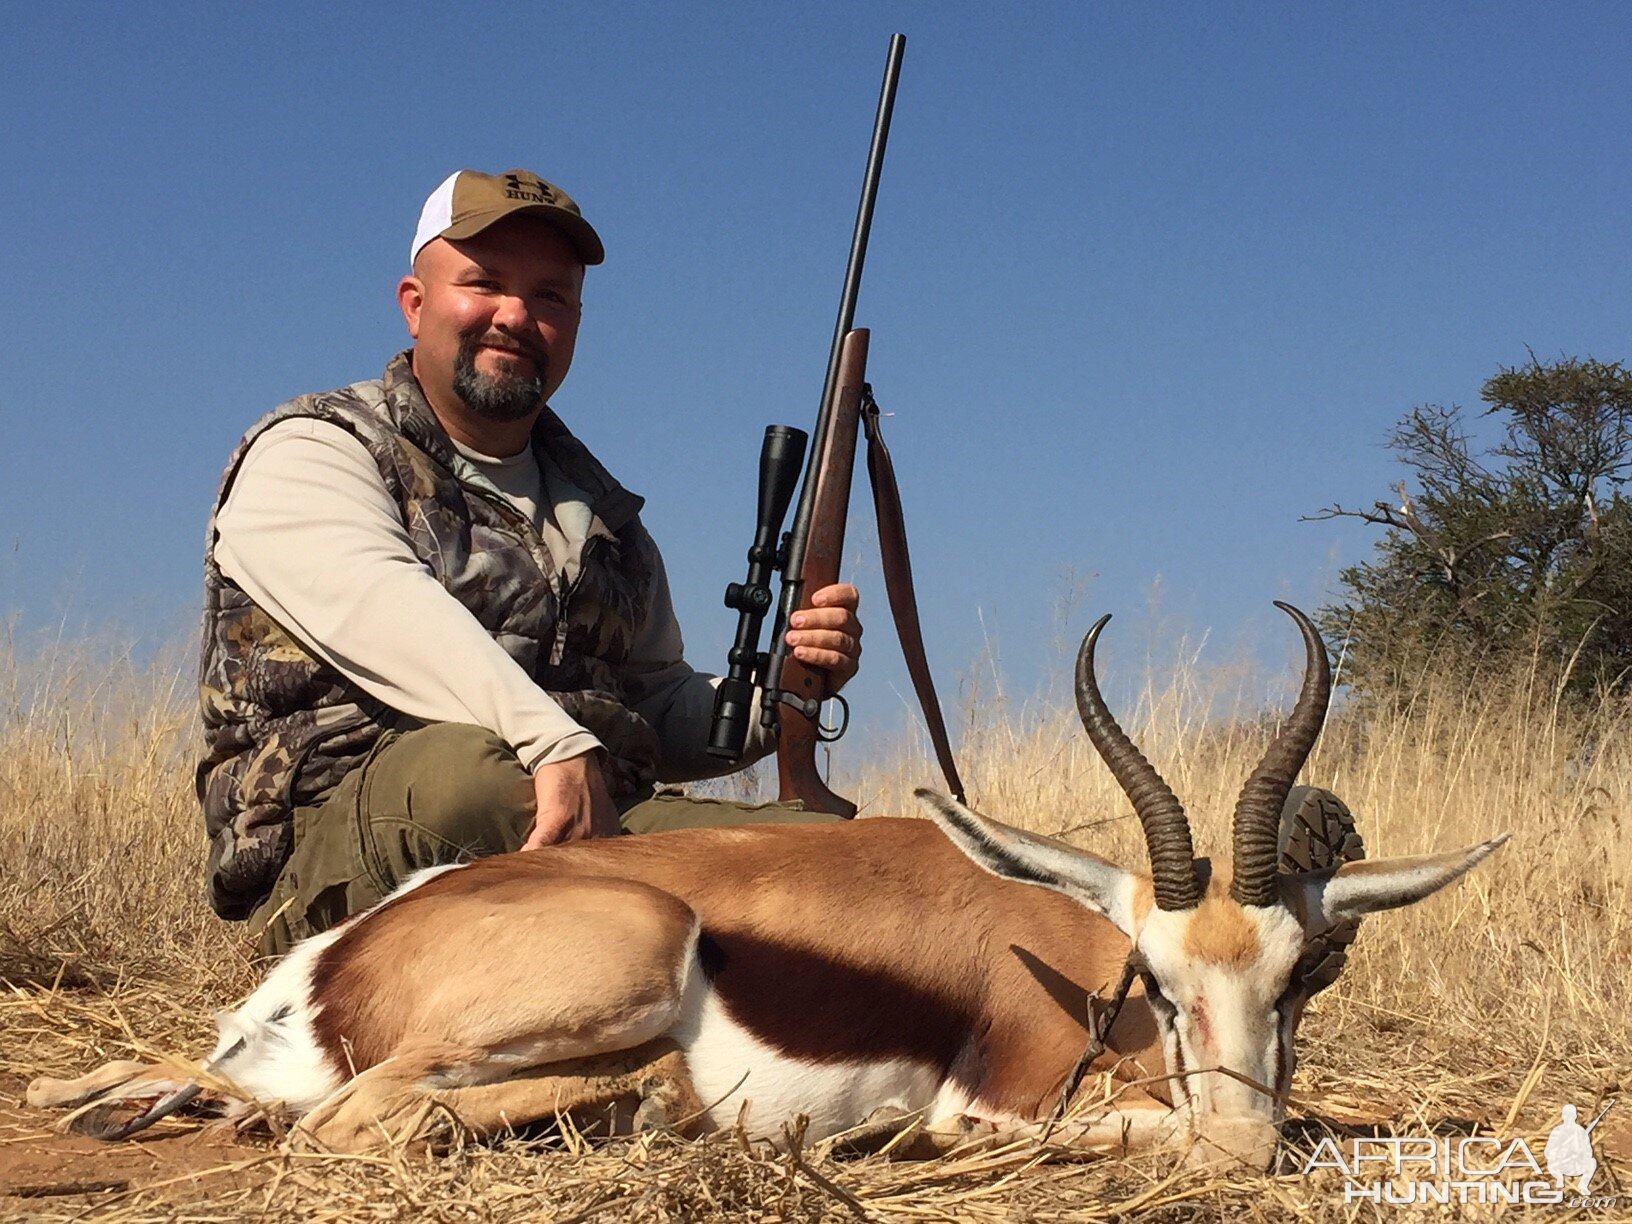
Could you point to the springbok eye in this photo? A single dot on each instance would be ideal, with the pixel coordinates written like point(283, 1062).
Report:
point(1312, 973)
point(1293, 992)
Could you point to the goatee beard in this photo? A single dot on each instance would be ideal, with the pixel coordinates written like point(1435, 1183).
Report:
point(497, 397)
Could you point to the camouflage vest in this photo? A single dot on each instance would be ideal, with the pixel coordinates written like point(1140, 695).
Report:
point(281, 728)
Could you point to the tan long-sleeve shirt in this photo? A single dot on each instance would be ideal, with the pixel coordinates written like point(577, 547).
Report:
point(309, 533)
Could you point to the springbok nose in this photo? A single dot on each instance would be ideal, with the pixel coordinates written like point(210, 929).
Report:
point(1247, 1143)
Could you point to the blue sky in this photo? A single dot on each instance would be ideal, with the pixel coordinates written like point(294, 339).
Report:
point(1147, 283)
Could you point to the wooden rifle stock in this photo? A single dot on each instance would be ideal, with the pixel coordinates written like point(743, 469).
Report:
point(797, 731)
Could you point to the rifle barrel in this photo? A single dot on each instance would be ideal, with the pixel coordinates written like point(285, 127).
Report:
point(864, 211)
point(799, 535)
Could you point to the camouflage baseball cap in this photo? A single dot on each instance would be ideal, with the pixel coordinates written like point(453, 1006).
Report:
point(468, 202)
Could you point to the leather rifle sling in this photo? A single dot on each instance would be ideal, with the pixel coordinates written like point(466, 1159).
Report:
point(892, 547)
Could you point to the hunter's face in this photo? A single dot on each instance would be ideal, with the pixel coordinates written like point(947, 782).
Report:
point(495, 317)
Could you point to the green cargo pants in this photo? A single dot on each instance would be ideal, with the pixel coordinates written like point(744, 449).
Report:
point(444, 793)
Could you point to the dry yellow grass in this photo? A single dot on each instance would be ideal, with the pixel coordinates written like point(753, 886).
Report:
point(1492, 1004)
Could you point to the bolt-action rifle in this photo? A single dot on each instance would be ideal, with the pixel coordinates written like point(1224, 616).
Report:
point(790, 694)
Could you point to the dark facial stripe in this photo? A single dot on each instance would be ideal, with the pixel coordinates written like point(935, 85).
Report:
point(1181, 1081)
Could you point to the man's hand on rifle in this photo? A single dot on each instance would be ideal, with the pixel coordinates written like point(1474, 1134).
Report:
point(827, 634)
point(573, 803)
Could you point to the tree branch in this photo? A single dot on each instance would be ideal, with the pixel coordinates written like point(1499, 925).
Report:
point(1382, 514)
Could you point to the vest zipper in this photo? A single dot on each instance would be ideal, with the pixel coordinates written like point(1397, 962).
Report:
point(564, 589)
point(558, 646)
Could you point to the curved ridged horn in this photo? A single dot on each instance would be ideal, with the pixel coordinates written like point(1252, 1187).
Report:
point(1167, 830)
point(1258, 810)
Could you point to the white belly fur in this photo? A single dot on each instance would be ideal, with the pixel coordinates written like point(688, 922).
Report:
point(729, 1065)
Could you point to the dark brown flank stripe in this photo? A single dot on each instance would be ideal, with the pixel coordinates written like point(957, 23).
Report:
point(821, 1011)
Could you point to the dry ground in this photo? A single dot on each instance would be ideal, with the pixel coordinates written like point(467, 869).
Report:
point(1488, 1007)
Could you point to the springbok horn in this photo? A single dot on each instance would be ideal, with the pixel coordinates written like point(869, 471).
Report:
point(1167, 830)
point(1258, 810)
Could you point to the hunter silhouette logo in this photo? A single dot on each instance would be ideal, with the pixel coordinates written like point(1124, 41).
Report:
point(518, 188)
point(1569, 1148)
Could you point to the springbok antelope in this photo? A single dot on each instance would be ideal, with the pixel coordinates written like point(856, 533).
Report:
point(848, 973)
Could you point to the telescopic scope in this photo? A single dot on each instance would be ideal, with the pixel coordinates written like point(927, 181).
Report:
point(781, 458)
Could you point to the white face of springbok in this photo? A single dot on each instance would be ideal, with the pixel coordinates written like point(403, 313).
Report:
point(1226, 958)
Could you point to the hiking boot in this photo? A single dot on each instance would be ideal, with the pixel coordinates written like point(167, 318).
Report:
point(1318, 834)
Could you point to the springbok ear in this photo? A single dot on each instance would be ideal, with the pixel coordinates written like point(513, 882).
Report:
point(1365, 887)
point(1086, 878)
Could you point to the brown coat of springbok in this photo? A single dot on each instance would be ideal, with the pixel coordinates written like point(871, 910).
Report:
point(883, 969)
